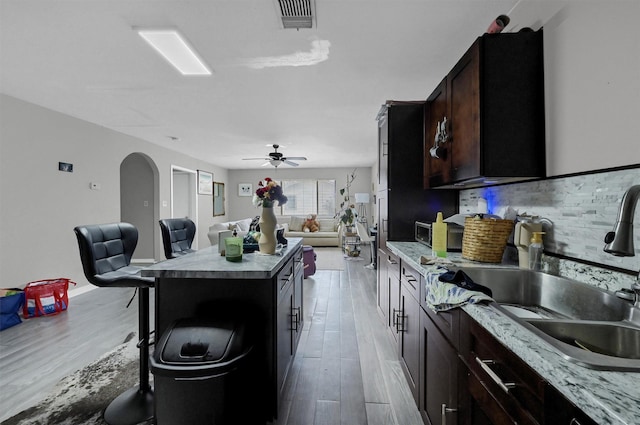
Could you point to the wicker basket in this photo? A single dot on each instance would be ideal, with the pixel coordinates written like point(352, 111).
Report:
point(485, 239)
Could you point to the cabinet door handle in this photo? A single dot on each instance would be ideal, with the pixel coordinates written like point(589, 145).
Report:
point(398, 320)
point(484, 364)
point(444, 412)
point(574, 421)
point(295, 318)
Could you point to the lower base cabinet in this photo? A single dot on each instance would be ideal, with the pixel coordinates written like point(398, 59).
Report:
point(440, 375)
point(458, 373)
point(289, 316)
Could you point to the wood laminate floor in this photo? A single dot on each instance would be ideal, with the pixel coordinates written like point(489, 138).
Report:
point(346, 370)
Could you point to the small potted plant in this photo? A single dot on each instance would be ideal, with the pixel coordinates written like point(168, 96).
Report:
point(347, 218)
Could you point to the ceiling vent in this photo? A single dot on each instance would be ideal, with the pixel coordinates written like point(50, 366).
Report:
point(296, 13)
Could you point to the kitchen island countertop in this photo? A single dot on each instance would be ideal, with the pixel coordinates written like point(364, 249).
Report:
point(207, 263)
point(608, 397)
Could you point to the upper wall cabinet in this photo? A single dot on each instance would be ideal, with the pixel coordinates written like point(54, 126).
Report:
point(484, 124)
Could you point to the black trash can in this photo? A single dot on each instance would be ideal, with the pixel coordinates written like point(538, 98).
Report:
point(202, 373)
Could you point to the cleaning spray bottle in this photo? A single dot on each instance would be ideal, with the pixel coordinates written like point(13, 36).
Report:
point(439, 237)
point(535, 251)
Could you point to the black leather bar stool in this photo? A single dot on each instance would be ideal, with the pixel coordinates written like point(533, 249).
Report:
point(177, 236)
point(106, 251)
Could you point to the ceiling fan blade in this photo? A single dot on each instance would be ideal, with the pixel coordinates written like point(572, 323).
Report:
point(251, 159)
point(297, 158)
point(286, 161)
point(265, 164)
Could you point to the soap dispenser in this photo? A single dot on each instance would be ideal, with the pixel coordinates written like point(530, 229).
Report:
point(535, 251)
point(522, 237)
point(439, 237)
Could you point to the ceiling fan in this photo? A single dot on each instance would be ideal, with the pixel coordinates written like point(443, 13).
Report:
point(276, 158)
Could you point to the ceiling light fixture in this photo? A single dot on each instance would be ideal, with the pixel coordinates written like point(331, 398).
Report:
point(175, 49)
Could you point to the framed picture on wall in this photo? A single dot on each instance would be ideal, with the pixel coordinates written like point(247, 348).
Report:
point(245, 189)
point(205, 183)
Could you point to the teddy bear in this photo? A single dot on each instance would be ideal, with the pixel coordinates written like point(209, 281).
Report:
point(311, 224)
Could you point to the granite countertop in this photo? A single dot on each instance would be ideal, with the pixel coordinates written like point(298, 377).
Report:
point(207, 263)
point(608, 397)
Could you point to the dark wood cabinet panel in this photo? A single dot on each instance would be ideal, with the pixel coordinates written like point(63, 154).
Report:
point(401, 195)
point(504, 387)
point(437, 171)
point(438, 376)
point(382, 288)
point(464, 103)
point(409, 335)
point(495, 114)
point(289, 315)
point(284, 337)
point(560, 411)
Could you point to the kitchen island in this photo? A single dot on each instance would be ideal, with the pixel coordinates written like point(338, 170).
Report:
point(607, 397)
point(263, 290)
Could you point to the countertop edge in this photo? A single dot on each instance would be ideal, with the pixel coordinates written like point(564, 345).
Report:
point(207, 263)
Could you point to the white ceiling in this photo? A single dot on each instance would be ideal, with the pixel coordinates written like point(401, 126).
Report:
point(83, 58)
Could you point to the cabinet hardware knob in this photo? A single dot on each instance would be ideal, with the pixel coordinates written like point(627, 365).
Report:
point(484, 364)
point(444, 410)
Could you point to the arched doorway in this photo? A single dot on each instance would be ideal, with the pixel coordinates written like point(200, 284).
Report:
point(139, 191)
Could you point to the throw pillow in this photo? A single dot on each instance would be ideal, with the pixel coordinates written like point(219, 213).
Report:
point(327, 225)
point(244, 224)
point(296, 223)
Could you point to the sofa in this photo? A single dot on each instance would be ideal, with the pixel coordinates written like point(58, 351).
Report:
point(241, 226)
point(328, 235)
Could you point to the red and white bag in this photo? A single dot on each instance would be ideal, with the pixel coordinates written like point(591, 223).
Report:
point(46, 297)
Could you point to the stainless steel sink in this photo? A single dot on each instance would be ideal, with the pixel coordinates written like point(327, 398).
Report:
point(550, 296)
point(610, 339)
point(587, 325)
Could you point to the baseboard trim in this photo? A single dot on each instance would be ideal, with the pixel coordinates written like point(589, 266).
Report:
point(74, 292)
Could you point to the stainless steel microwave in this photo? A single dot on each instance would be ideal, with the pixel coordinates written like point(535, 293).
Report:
point(454, 235)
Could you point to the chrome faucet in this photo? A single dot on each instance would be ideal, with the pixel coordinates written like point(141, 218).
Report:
point(620, 241)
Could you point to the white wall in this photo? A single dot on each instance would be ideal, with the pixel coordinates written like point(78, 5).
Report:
point(241, 207)
point(40, 206)
point(592, 81)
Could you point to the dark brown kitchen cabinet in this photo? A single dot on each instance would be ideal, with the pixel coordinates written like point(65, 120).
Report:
point(440, 376)
point(500, 384)
point(402, 199)
point(388, 288)
point(490, 113)
point(560, 411)
point(408, 325)
point(289, 315)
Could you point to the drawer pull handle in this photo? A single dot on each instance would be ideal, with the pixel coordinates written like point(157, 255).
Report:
point(444, 412)
point(295, 319)
point(398, 320)
point(484, 364)
point(410, 278)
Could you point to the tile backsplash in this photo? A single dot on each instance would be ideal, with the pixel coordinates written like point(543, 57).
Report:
point(578, 211)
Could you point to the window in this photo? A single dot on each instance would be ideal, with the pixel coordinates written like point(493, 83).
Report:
point(306, 196)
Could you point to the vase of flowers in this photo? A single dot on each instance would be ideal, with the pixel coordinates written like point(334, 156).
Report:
point(266, 195)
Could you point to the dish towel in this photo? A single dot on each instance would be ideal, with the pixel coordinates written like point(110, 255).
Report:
point(442, 296)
